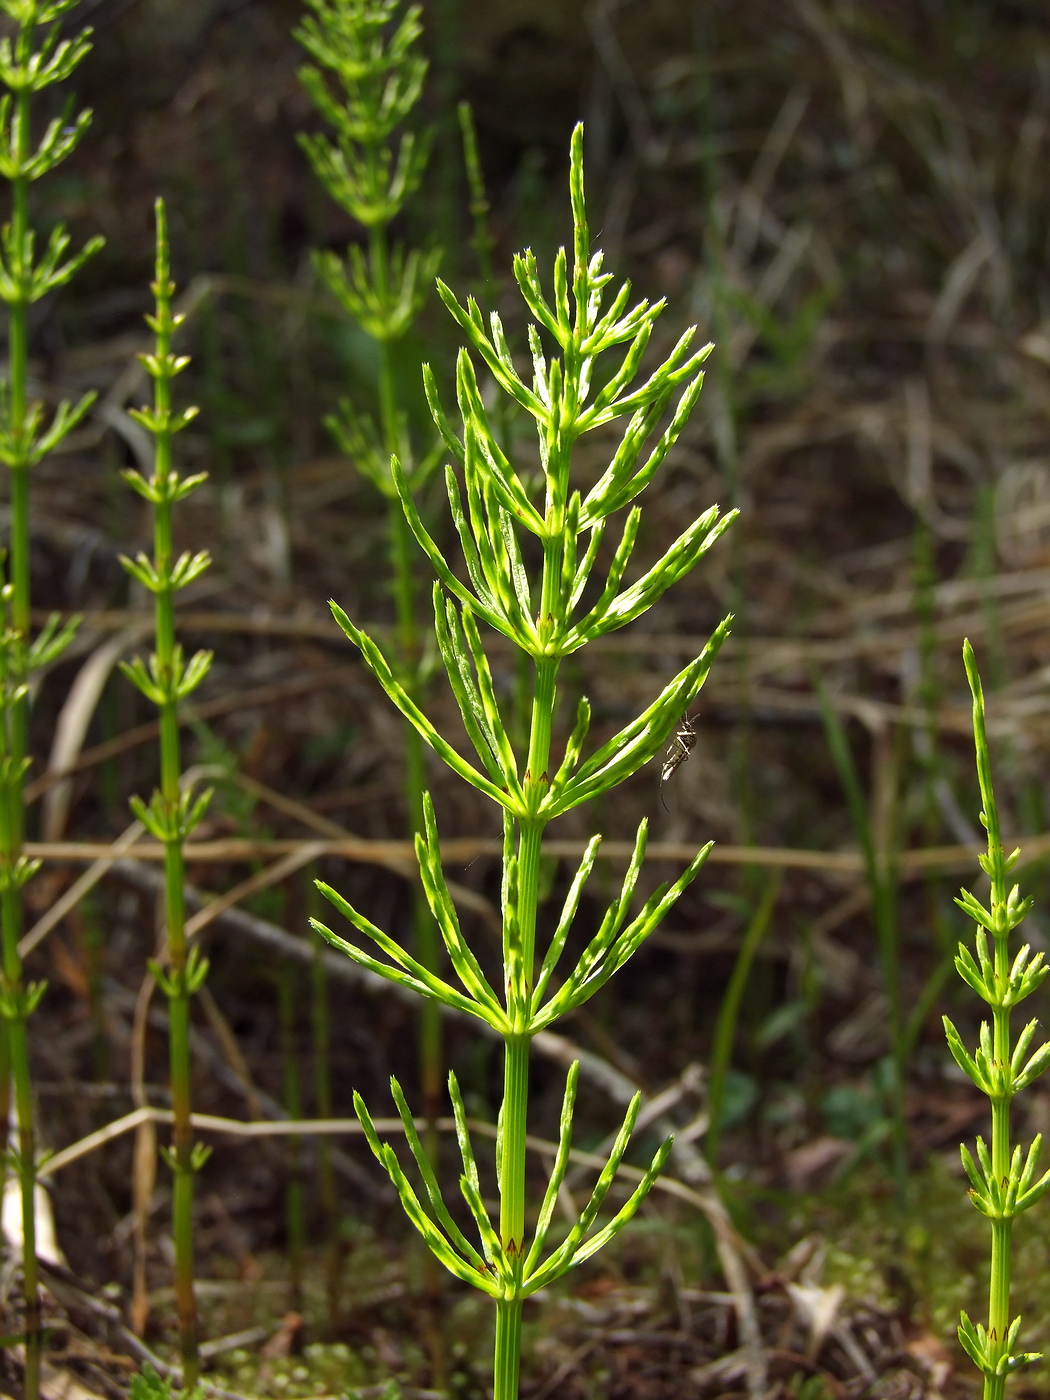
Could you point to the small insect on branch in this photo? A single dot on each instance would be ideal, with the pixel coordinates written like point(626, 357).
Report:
point(678, 750)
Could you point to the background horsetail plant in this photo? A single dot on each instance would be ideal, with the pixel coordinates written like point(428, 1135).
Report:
point(29, 62)
point(1003, 1180)
point(172, 813)
point(493, 511)
point(369, 49)
point(18, 1001)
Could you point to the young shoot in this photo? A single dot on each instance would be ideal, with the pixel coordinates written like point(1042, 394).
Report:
point(173, 811)
point(578, 328)
point(1003, 1181)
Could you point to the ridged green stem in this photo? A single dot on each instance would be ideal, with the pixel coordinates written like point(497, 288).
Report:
point(515, 1106)
point(1002, 1230)
point(999, 1268)
point(513, 1119)
point(508, 1351)
point(174, 883)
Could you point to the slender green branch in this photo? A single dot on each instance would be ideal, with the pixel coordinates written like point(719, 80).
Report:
point(172, 813)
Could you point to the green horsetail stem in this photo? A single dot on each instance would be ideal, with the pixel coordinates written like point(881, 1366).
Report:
point(1003, 1181)
point(29, 63)
point(578, 327)
point(367, 49)
point(172, 812)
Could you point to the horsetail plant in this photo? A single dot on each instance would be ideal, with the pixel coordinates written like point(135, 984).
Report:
point(19, 662)
point(29, 63)
point(173, 812)
point(1003, 1180)
point(546, 618)
point(369, 48)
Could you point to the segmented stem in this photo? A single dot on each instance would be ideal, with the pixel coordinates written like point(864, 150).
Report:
point(1003, 1188)
point(174, 866)
point(507, 1351)
point(1002, 1229)
point(521, 920)
point(169, 817)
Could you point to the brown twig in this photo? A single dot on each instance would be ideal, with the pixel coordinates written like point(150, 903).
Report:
point(233, 850)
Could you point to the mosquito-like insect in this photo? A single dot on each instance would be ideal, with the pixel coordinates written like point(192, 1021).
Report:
point(679, 749)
